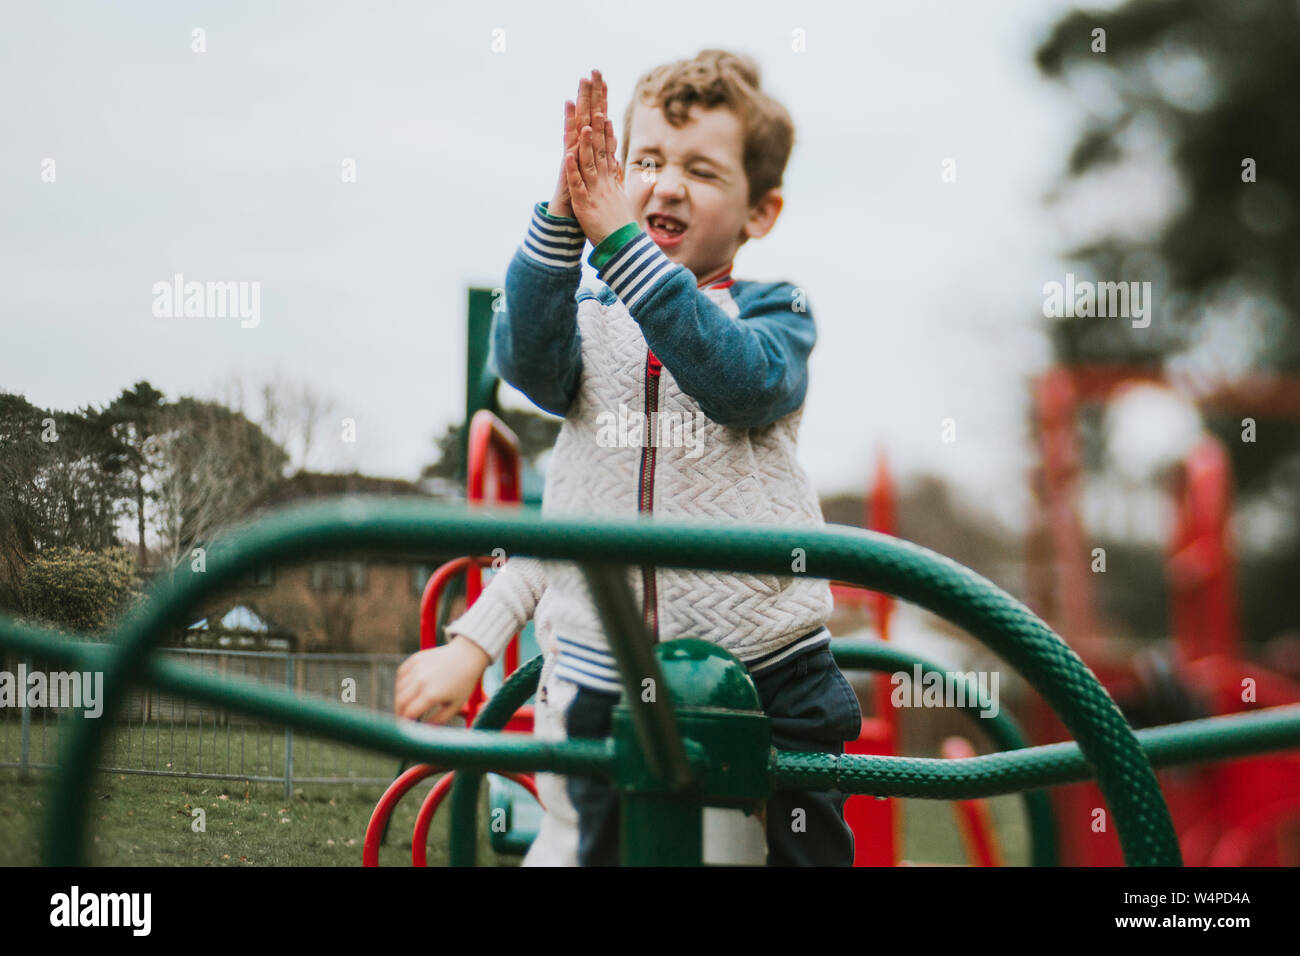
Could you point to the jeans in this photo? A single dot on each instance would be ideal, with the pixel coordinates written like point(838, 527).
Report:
point(812, 708)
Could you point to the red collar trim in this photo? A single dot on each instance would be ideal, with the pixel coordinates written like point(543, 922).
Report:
point(719, 280)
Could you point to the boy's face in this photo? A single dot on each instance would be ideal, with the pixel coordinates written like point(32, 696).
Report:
point(697, 183)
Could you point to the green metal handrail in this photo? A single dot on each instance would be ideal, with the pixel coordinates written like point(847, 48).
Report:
point(863, 558)
point(1022, 769)
point(349, 725)
point(850, 654)
point(1206, 740)
point(991, 775)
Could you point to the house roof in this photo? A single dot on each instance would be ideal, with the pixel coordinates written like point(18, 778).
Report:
point(240, 618)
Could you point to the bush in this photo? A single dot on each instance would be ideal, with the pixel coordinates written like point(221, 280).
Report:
point(78, 590)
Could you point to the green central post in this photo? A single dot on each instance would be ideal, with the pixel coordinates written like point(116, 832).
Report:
point(722, 722)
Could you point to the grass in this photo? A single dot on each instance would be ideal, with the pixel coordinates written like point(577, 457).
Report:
point(146, 820)
point(930, 833)
point(235, 750)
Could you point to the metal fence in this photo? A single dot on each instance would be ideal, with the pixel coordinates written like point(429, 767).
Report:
point(158, 734)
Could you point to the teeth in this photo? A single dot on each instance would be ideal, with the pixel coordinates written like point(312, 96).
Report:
point(665, 225)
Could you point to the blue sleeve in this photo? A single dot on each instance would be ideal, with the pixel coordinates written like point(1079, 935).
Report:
point(536, 346)
point(745, 372)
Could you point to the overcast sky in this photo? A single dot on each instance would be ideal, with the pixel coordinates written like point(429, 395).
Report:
point(225, 165)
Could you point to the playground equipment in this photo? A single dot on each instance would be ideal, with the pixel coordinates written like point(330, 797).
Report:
point(1207, 610)
point(491, 452)
point(705, 743)
point(1246, 812)
point(668, 759)
point(495, 475)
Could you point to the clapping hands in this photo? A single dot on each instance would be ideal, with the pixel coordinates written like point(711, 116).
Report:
point(591, 178)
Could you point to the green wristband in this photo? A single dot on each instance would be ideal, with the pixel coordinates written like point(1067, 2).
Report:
point(612, 243)
point(545, 208)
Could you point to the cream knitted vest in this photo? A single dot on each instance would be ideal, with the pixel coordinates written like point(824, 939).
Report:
point(702, 471)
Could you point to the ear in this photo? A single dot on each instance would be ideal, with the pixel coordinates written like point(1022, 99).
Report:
point(762, 216)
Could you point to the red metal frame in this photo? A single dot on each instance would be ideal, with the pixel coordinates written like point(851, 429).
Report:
point(493, 464)
point(420, 837)
point(494, 475)
point(1224, 813)
point(400, 788)
point(384, 809)
point(429, 601)
point(875, 823)
point(1201, 565)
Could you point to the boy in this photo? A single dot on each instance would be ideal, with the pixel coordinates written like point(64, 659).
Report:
point(712, 371)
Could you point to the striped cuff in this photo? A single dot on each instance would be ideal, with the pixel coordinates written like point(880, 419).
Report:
point(587, 667)
point(615, 241)
point(553, 240)
point(631, 264)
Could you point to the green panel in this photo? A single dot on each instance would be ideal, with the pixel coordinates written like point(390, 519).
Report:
point(480, 381)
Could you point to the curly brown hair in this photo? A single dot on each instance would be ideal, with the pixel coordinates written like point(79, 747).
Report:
point(715, 78)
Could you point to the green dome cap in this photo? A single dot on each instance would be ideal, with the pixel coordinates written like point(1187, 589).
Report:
point(701, 674)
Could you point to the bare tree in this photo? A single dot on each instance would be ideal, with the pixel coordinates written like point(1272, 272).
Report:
point(292, 414)
point(211, 466)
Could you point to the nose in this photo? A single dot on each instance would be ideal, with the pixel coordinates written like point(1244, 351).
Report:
point(669, 185)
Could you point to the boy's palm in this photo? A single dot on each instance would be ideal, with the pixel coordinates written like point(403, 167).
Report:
point(593, 97)
point(596, 181)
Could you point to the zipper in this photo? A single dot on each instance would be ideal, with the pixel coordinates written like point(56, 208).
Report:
point(646, 497)
point(646, 502)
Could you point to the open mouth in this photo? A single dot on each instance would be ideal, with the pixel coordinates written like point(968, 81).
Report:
point(665, 230)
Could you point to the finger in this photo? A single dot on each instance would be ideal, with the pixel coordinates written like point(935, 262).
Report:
point(599, 153)
point(419, 695)
point(421, 704)
point(416, 703)
point(401, 696)
point(584, 103)
point(577, 187)
point(409, 707)
point(598, 93)
point(586, 155)
point(584, 151)
point(611, 148)
point(604, 98)
point(441, 713)
point(611, 140)
point(580, 197)
point(570, 124)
